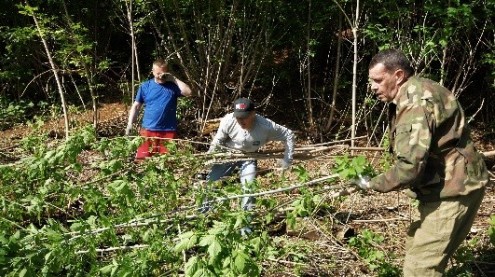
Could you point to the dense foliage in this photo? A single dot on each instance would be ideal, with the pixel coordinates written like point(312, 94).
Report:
point(81, 208)
point(288, 55)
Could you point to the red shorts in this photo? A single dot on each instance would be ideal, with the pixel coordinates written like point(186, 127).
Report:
point(154, 143)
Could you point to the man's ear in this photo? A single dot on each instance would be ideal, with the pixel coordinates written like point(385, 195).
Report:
point(400, 76)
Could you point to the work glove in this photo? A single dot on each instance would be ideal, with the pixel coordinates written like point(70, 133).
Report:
point(285, 164)
point(363, 182)
point(128, 130)
point(410, 193)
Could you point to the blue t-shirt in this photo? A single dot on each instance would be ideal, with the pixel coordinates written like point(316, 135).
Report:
point(160, 102)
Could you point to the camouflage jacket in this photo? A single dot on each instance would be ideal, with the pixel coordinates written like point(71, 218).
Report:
point(434, 155)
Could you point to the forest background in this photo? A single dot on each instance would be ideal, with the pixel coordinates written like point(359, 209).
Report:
point(304, 62)
point(303, 59)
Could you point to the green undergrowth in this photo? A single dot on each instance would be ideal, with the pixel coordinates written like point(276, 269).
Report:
point(81, 207)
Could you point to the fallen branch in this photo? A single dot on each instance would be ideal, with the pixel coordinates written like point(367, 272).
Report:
point(133, 223)
point(489, 154)
point(139, 223)
point(286, 262)
point(380, 220)
point(110, 249)
point(9, 147)
point(330, 142)
point(316, 181)
point(222, 157)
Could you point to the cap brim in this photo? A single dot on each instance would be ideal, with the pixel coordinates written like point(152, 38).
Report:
point(242, 114)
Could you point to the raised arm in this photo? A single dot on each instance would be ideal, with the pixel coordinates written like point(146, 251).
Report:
point(185, 89)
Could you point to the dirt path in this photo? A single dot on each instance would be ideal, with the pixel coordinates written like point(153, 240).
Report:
point(113, 115)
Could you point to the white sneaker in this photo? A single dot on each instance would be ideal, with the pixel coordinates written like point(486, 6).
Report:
point(245, 231)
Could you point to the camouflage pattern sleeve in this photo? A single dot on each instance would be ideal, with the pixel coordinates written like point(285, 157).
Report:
point(412, 138)
point(434, 155)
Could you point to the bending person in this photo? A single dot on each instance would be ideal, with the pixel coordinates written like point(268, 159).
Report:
point(435, 161)
point(247, 131)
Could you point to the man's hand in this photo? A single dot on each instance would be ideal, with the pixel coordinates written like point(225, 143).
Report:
point(362, 182)
point(284, 164)
point(128, 130)
point(166, 76)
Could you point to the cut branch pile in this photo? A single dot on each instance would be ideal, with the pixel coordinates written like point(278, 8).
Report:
point(305, 152)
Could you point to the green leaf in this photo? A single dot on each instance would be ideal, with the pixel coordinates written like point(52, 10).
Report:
point(256, 244)
point(491, 230)
point(186, 241)
point(291, 220)
point(207, 240)
point(76, 226)
point(192, 266)
point(226, 262)
point(239, 221)
point(214, 246)
point(23, 272)
point(107, 269)
point(240, 261)
point(214, 249)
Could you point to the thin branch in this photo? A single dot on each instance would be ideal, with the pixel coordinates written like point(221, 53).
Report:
point(312, 182)
point(381, 220)
point(110, 249)
point(131, 224)
point(55, 73)
point(479, 109)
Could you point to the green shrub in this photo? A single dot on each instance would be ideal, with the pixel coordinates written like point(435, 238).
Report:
point(13, 112)
point(491, 229)
point(367, 245)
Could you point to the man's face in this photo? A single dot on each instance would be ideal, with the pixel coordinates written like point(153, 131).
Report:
point(384, 83)
point(159, 72)
point(246, 123)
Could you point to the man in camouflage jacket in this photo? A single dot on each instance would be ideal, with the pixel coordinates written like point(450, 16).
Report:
point(434, 159)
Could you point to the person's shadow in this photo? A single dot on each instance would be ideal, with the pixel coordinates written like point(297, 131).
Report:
point(473, 262)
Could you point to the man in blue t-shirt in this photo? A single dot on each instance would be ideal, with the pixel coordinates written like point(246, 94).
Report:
point(159, 95)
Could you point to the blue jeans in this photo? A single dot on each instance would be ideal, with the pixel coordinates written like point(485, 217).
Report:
point(247, 176)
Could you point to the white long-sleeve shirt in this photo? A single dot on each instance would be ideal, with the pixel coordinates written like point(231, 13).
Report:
point(231, 135)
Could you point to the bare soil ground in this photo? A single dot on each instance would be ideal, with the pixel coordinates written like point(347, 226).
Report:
point(325, 235)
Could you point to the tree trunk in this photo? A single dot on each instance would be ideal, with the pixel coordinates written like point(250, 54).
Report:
point(55, 74)
point(336, 77)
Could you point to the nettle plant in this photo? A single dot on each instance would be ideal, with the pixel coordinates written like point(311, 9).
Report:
point(350, 168)
point(221, 251)
point(491, 229)
point(80, 207)
point(367, 245)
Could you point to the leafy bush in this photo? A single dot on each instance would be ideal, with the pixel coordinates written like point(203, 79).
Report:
point(64, 214)
point(12, 113)
point(350, 168)
point(367, 244)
